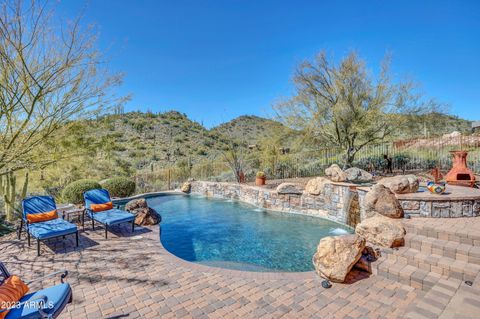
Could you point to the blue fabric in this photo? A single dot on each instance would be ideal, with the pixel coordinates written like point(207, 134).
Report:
point(108, 217)
point(38, 204)
point(112, 216)
point(51, 228)
point(96, 196)
point(57, 296)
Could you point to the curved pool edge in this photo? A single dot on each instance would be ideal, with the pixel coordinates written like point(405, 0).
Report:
point(172, 258)
point(148, 195)
point(180, 193)
point(233, 272)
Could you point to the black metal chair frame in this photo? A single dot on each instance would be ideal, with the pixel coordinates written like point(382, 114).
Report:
point(24, 224)
point(89, 212)
point(40, 300)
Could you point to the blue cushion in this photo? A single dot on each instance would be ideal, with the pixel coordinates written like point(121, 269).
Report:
point(38, 204)
point(51, 228)
point(96, 196)
point(57, 297)
point(112, 216)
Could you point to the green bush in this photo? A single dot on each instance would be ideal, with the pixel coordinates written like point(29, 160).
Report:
point(119, 186)
point(73, 192)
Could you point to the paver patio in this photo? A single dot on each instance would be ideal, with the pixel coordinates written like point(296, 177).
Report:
point(133, 276)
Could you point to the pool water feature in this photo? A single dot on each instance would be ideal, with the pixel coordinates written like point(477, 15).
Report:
point(236, 235)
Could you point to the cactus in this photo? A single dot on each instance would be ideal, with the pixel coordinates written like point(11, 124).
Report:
point(8, 191)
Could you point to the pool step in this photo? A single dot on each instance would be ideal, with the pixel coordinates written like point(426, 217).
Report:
point(444, 248)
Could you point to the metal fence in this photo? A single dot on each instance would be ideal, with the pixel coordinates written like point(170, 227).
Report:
point(407, 156)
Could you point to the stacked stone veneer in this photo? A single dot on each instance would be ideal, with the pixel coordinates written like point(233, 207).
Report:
point(334, 203)
point(442, 209)
point(341, 202)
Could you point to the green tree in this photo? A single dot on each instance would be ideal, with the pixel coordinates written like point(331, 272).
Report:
point(342, 105)
point(49, 74)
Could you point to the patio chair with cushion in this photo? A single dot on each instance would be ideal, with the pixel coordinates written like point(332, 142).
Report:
point(99, 207)
point(16, 303)
point(41, 220)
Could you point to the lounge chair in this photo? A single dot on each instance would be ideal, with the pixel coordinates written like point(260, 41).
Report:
point(99, 208)
point(45, 303)
point(42, 222)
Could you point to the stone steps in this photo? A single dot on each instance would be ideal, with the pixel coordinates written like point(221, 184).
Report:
point(440, 265)
point(431, 256)
point(462, 236)
point(406, 274)
point(444, 248)
point(435, 301)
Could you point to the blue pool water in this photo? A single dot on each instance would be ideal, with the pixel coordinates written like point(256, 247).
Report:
point(236, 235)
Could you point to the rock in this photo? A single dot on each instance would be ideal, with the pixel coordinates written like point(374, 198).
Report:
point(186, 187)
point(382, 231)
point(357, 175)
point(382, 200)
point(136, 204)
point(316, 185)
point(401, 184)
point(336, 255)
point(363, 264)
point(289, 188)
point(335, 173)
point(144, 215)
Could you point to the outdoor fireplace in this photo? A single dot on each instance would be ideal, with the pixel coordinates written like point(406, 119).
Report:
point(460, 174)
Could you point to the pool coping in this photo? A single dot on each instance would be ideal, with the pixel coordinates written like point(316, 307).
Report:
point(170, 257)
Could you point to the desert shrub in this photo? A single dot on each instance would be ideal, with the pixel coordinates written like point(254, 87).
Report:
point(73, 192)
point(366, 163)
point(119, 186)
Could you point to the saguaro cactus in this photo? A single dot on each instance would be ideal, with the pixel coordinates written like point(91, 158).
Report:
point(8, 191)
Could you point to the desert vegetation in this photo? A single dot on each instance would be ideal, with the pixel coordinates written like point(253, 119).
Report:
point(63, 131)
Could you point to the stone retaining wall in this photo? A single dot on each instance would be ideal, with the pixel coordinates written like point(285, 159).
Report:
point(341, 202)
point(441, 209)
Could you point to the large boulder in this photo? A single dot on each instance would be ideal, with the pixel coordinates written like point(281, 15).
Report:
point(186, 187)
point(316, 185)
point(336, 255)
point(357, 175)
point(289, 188)
point(144, 215)
point(401, 184)
point(382, 200)
point(136, 204)
point(335, 173)
point(382, 231)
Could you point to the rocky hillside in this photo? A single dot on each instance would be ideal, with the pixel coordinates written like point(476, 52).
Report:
point(164, 138)
point(249, 128)
point(144, 144)
point(433, 124)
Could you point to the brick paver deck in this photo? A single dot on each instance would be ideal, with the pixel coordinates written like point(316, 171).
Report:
point(133, 276)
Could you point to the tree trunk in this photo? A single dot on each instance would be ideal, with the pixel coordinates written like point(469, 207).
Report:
point(350, 157)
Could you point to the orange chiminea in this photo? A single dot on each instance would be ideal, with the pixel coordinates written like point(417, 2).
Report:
point(460, 174)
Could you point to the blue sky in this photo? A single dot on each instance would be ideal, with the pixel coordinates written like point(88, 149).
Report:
point(216, 60)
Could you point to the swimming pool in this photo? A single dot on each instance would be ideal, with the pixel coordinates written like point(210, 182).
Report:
point(235, 235)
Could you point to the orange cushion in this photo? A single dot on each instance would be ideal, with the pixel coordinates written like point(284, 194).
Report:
point(42, 217)
point(11, 291)
point(101, 207)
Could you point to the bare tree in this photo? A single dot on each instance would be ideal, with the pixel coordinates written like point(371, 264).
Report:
point(344, 106)
point(50, 73)
point(234, 157)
